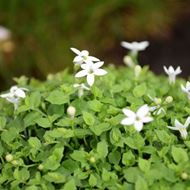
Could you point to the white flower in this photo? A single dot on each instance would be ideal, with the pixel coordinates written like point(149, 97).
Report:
point(5, 34)
point(81, 87)
point(135, 47)
point(15, 95)
point(172, 73)
point(186, 89)
point(180, 127)
point(83, 57)
point(90, 70)
point(137, 119)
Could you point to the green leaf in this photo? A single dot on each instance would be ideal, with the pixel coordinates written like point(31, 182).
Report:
point(70, 185)
point(80, 133)
point(144, 165)
point(140, 90)
point(114, 157)
point(141, 184)
point(92, 180)
point(100, 128)
point(31, 118)
point(131, 174)
point(66, 122)
point(54, 177)
point(88, 118)
point(34, 142)
point(135, 142)
point(179, 154)
point(21, 175)
point(115, 134)
point(128, 158)
point(3, 121)
point(57, 97)
point(102, 149)
point(70, 165)
point(163, 136)
point(53, 161)
point(79, 155)
point(95, 105)
point(9, 135)
point(59, 133)
point(43, 122)
point(34, 100)
point(105, 175)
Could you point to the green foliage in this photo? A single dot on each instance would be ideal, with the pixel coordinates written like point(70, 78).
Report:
point(41, 147)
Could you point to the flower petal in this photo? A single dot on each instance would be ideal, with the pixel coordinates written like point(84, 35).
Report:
point(20, 93)
point(143, 111)
point(100, 72)
point(78, 59)
point(147, 119)
point(143, 45)
point(173, 128)
point(166, 70)
point(91, 58)
point(127, 45)
point(86, 66)
point(98, 64)
point(178, 124)
point(81, 74)
point(187, 122)
point(75, 51)
point(90, 79)
point(129, 113)
point(127, 121)
point(138, 125)
point(84, 53)
point(178, 70)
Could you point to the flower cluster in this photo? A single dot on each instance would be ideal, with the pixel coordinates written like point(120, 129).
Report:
point(143, 113)
point(90, 68)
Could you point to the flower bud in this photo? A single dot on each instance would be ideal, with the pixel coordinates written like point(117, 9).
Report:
point(9, 157)
point(40, 167)
point(158, 101)
point(92, 159)
point(169, 99)
point(138, 70)
point(71, 111)
point(128, 61)
point(14, 162)
point(184, 176)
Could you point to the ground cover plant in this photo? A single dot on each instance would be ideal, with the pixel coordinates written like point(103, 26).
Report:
point(99, 128)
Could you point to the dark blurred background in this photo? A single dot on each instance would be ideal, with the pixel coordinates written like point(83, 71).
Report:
point(44, 30)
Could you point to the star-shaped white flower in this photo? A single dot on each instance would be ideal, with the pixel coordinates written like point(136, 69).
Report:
point(186, 89)
point(83, 57)
point(172, 73)
point(90, 70)
point(137, 119)
point(81, 87)
point(180, 127)
point(15, 95)
point(135, 47)
point(5, 34)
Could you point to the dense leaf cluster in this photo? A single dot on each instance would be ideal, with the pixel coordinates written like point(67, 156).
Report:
point(41, 147)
